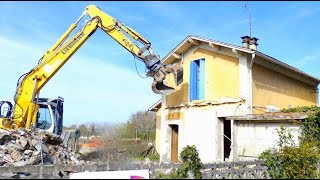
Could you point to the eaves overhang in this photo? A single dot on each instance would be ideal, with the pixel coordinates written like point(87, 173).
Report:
point(192, 40)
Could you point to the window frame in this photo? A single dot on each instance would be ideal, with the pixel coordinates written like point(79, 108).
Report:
point(197, 79)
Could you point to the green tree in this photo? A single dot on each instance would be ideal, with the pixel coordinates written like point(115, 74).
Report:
point(84, 130)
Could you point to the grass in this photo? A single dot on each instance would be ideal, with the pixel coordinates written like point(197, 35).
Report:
point(152, 157)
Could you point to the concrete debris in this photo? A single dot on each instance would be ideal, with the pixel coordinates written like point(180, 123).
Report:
point(23, 142)
point(35, 158)
point(28, 152)
point(33, 142)
point(7, 158)
point(20, 148)
point(16, 156)
point(21, 163)
point(4, 138)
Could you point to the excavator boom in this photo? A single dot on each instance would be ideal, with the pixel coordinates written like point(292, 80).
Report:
point(24, 114)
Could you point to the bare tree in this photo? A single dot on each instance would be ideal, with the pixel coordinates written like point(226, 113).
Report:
point(141, 124)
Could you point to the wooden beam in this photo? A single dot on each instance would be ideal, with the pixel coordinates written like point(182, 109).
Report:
point(193, 41)
point(270, 116)
point(175, 55)
point(215, 46)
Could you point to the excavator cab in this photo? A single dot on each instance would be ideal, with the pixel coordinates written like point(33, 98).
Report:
point(50, 115)
point(5, 109)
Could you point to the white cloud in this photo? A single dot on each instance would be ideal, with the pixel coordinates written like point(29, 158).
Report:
point(307, 60)
point(309, 63)
point(94, 90)
point(305, 13)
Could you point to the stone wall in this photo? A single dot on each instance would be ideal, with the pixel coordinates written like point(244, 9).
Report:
point(227, 170)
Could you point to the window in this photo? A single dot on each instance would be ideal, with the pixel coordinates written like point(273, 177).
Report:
point(43, 119)
point(196, 90)
point(179, 78)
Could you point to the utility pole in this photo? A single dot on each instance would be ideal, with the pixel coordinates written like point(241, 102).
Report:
point(136, 133)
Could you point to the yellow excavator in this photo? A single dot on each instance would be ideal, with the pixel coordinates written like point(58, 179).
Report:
point(44, 114)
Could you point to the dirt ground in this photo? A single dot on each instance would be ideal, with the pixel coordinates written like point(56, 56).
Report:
point(121, 150)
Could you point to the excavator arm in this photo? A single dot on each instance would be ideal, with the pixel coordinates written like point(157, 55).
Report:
point(29, 85)
point(115, 28)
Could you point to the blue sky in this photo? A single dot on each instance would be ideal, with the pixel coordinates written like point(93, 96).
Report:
point(91, 80)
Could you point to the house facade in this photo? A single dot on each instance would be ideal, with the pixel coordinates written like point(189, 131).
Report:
point(219, 85)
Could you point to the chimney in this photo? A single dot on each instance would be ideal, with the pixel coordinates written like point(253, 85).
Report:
point(245, 41)
point(249, 42)
point(253, 43)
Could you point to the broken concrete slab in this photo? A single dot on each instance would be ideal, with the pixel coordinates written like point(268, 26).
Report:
point(41, 147)
point(21, 163)
point(7, 158)
point(24, 142)
point(33, 142)
point(35, 158)
point(16, 156)
point(12, 147)
point(27, 152)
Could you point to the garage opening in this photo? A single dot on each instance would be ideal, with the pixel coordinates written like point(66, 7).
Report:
point(226, 139)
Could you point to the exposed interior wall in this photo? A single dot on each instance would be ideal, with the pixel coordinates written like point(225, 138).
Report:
point(200, 130)
point(278, 90)
point(252, 138)
point(180, 95)
point(165, 140)
point(175, 114)
point(221, 77)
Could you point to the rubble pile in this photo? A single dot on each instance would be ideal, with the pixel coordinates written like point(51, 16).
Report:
point(19, 148)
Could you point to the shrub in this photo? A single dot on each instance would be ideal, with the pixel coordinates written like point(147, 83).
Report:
point(297, 162)
point(191, 163)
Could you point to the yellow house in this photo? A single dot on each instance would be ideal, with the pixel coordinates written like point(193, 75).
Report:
point(218, 81)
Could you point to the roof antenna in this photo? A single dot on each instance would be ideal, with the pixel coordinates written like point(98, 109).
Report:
point(247, 7)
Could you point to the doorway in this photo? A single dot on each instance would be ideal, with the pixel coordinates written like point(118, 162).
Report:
point(174, 143)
